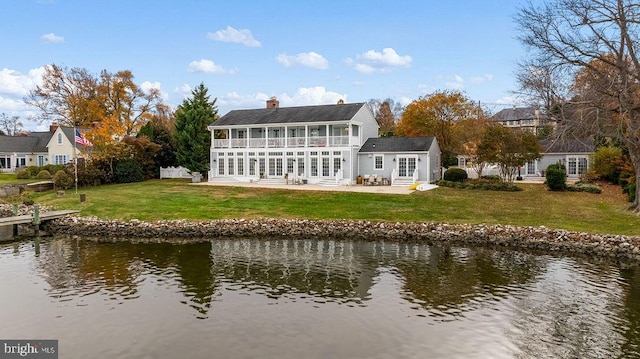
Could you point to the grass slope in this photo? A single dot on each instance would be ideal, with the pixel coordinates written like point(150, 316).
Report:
point(176, 199)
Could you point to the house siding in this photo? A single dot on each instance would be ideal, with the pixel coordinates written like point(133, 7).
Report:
point(367, 122)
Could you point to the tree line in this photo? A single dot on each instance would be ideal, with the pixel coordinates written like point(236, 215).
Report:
point(132, 131)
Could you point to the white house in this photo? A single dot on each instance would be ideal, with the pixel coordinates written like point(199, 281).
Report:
point(318, 144)
point(38, 148)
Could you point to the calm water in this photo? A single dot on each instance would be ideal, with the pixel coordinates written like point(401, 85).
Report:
point(314, 299)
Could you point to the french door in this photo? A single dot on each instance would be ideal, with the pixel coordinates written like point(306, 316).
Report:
point(406, 166)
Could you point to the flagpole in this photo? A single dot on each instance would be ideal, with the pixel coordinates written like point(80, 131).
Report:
point(75, 157)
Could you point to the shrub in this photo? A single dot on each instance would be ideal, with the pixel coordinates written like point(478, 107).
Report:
point(127, 170)
point(480, 185)
point(584, 187)
point(492, 178)
point(605, 163)
point(455, 174)
point(94, 173)
point(23, 174)
point(44, 175)
point(62, 180)
point(630, 190)
point(556, 177)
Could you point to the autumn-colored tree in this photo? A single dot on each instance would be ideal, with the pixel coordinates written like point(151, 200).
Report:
point(161, 130)
point(436, 115)
point(111, 106)
point(68, 96)
point(508, 148)
point(598, 41)
point(144, 152)
point(193, 138)
point(386, 113)
point(470, 133)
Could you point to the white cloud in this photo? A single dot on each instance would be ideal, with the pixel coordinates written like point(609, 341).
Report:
point(184, 90)
point(230, 34)
point(208, 66)
point(405, 101)
point(510, 100)
point(374, 61)
point(302, 97)
point(52, 38)
point(317, 95)
point(147, 86)
point(457, 83)
point(481, 79)
point(307, 59)
point(15, 83)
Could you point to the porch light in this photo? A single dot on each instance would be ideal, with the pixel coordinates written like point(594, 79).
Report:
point(344, 160)
point(394, 159)
point(214, 160)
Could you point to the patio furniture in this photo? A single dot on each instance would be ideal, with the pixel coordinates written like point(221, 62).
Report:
point(372, 180)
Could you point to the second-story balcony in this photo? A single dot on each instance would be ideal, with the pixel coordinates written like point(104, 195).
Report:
point(289, 142)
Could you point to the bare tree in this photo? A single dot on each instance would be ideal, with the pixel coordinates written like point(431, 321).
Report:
point(10, 125)
point(597, 39)
point(387, 113)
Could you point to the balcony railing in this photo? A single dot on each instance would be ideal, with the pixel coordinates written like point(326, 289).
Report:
point(331, 141)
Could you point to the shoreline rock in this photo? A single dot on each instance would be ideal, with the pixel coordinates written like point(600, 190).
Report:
point(183, 231)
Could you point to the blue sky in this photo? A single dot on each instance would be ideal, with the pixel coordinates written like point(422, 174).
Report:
point(303, 52)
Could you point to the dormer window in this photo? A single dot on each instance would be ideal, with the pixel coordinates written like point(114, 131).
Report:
point(59, 138)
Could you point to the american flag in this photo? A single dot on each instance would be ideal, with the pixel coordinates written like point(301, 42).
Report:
point(82, 140)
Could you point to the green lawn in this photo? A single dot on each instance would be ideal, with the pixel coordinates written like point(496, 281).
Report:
point(10, 178)
point(176, 199)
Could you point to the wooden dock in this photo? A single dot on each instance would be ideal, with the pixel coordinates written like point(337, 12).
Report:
point(28, 218)
point(35, 219)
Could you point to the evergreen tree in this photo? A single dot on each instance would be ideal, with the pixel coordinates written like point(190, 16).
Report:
point(192, 137)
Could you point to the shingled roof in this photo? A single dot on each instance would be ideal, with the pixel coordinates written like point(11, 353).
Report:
point(518, 113)
point(397, 144)
point(35, 142)
point(320, 113)
point(572, 145)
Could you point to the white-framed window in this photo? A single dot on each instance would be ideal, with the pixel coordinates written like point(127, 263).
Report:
point(378, 161)
point(60, 159)
point(240, 167)
point(60, 138)
point(41, 160)
point(5, 162)
point(577, 166)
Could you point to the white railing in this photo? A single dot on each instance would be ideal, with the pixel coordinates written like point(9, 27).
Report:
point(333, 141)
point(174, 172)
point(394, 176)
point(415, 176)
point(296, 141)
point(339, 176)
point(338, 141)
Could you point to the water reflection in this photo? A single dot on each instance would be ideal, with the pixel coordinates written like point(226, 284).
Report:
point(498, 303)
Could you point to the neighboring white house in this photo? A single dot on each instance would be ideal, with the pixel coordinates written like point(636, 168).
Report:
point(318, 144)
point(38, 148)
point(574, 154)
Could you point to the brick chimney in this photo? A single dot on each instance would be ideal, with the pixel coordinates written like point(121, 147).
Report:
point(273, 103)
point(53, 127)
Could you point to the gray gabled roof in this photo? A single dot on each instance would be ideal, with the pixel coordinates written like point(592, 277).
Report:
point(35, 142)
point(572, 145)
point(518, 113)
point(397, 144)
point(284, 115)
